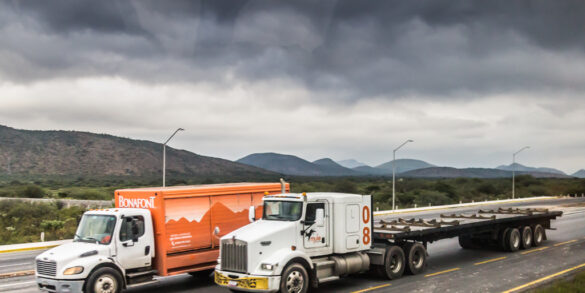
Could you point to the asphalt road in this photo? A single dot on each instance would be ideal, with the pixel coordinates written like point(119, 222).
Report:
point(450, 269)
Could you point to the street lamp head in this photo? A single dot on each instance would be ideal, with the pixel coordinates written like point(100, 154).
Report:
point(180, 129)
point(410, 140)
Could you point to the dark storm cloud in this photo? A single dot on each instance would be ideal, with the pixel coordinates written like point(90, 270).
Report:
point(352, 49)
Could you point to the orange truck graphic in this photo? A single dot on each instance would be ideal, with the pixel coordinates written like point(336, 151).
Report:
point(184, 218)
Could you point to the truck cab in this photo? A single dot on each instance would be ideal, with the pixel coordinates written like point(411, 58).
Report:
point(301, 240)
point(110, 247)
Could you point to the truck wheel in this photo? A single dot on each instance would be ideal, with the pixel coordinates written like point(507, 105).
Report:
point(526, 237)
point(465, 242)
point(502, 243)
point(393, 267)
point(104, 280)
point(513, 240)
point(537, 235)
point(416, 256)
point(294, 279)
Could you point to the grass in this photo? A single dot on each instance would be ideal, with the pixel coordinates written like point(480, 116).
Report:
point(577, 285)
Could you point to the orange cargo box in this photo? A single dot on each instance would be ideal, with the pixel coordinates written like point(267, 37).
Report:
point(184, 218)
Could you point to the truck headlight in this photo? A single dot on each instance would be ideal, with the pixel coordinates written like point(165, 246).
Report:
point(73, 271)
point(267, 266)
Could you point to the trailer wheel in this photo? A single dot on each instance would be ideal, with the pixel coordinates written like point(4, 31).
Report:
point(526, 237)
point(416, 256)
point(393, 267)
point(294, 279)
point(537, 235)
point(104, 280)
point(513, 240)
point(502, 242)
point(466, 242)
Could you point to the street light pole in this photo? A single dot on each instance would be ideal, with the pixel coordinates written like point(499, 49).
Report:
point(165, 155)
point(514, 171)
point(394, 173)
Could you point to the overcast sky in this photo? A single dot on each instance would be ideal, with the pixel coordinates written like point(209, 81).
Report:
point(469, 81)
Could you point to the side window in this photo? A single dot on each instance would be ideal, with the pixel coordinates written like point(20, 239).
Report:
point(126, 229)
point(312, 211)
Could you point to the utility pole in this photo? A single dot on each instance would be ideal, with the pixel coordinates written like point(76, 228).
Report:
point(394, 173)
point(165, 155)
point(514, 171)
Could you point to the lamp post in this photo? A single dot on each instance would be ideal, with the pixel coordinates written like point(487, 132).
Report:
point(394, 173)
point(165, 154)
point(514, 171)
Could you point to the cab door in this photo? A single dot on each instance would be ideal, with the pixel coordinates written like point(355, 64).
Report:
point(315, 236)
point(133, 246)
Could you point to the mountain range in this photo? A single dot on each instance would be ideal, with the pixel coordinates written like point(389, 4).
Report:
point(26, 152)
point(29, 152)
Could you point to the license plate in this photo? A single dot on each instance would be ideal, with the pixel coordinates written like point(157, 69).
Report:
point(244, 283)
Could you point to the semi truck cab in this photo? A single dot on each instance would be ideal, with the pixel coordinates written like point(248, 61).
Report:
point(109, 244)
point(296, 233)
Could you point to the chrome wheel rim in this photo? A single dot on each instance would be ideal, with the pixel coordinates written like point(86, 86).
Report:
point(515, 240)
point(395, 264)
point(294, 282)
point(417, 259)
point(106, 284)
point(538, 236)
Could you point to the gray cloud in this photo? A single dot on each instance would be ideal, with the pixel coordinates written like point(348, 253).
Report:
point(348, 49)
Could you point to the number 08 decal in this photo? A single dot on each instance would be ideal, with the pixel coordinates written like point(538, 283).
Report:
point(366, 218)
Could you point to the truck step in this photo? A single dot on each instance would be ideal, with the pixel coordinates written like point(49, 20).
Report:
point(141, 274)
point(141, 284)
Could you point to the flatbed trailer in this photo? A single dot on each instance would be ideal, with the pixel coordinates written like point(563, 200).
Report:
point(509, 229)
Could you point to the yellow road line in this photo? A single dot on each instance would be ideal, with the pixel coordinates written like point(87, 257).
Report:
point(566, 242)
point(371, 288)
point(17, 274)
point(490, 260)
point(443, 272)
point(535, 250)
point(28, 248)
point(544, 278)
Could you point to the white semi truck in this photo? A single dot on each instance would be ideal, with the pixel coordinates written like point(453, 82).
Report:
point(305, 240)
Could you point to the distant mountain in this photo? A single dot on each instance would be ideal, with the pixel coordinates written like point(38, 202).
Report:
point(29, 152)
point(372, 171)
point(579, 174)
point(292, 165)
point(449, 172)
point(405, 165)
point(520, 167)
point(350, 163)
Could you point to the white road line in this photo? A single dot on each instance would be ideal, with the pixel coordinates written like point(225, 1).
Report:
point(18, 284)
point(17, 264)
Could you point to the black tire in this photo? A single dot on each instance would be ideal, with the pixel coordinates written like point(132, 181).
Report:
point(202, 275)
point(104, 280)
point(538, 235)
point(526, 238)
point(502, 243)
point(393, 267)
point(466, 242)
point(416, 256)
point(294, 279)
point(513, 240)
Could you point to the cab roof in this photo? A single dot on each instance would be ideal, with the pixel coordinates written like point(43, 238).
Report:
point(315, 196)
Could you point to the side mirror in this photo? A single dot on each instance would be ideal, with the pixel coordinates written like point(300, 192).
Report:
point(216, 231)
point(252, 214)
point(320, 217)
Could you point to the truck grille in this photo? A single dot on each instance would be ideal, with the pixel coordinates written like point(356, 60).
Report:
point(46, 268)
point(234, 255)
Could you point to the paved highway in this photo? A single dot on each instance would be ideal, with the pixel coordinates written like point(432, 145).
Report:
point(450, 268)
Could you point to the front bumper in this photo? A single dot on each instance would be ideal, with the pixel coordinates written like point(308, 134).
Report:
point(246, 282)
point(59, 286)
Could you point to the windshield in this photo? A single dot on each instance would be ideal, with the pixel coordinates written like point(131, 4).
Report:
point(282, 210)
point(96, 229)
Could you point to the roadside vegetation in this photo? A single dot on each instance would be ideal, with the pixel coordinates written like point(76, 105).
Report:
point(576, 285)
point(23, 222)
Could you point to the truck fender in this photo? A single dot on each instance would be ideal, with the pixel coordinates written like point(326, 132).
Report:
point(285, 256)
